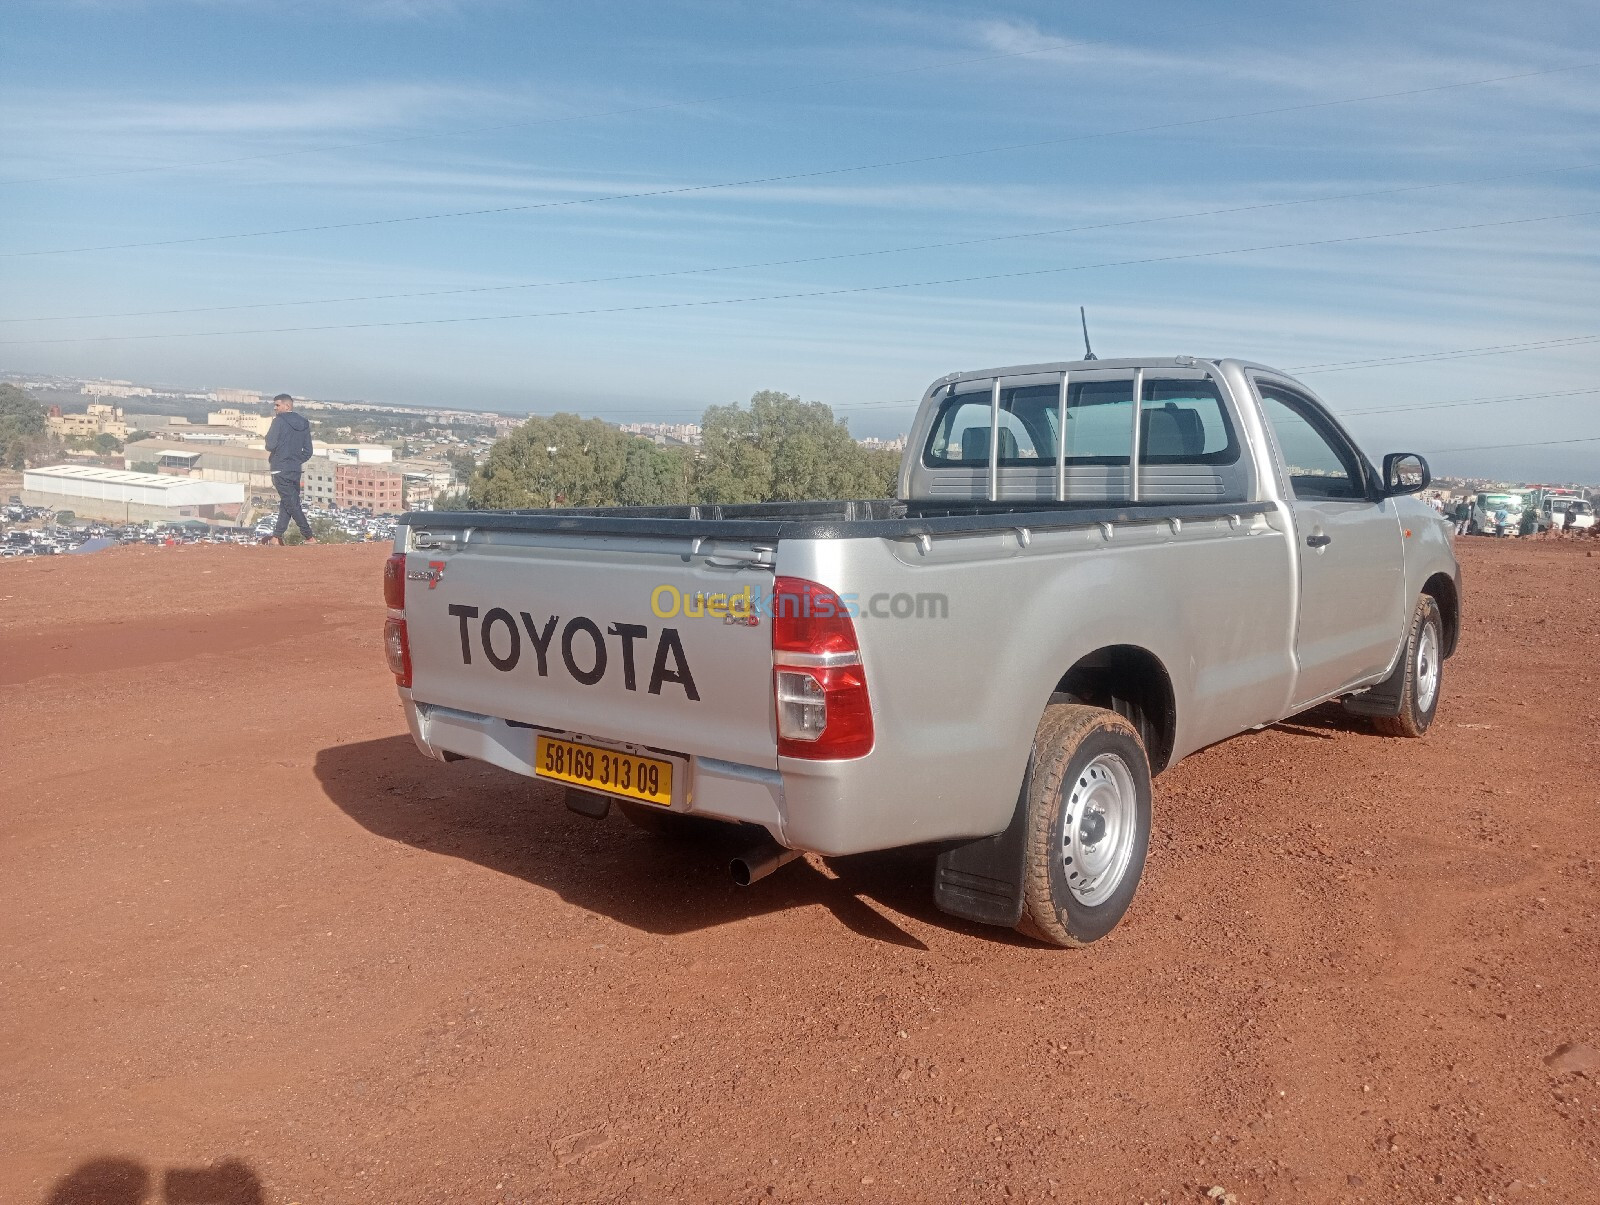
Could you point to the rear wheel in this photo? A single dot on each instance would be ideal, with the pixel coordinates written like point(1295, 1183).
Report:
point(1088, 824)
point(1424, 674)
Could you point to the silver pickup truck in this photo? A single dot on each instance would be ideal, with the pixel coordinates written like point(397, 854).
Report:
point(1091, 570)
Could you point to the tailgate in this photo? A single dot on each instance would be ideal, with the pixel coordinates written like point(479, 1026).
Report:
point(621, 638)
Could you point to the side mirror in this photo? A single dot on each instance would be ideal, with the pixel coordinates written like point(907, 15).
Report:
point(1404, 473)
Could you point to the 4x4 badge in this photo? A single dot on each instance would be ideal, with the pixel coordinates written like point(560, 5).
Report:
point(433, 576)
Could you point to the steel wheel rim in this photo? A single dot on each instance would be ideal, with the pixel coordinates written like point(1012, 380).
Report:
point(1101, 821)
point(1427, 666)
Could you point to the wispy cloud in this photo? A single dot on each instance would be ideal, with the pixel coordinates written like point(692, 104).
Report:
point(270, 110)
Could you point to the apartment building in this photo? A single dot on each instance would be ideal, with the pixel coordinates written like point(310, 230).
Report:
point(379, 488)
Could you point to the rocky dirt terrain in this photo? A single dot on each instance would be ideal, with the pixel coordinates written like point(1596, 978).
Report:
point(257, 949)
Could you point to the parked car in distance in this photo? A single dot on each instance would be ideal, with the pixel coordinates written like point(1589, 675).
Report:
point(1496, 514)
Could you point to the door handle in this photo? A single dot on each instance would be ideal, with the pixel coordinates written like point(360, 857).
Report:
point(1319, 540)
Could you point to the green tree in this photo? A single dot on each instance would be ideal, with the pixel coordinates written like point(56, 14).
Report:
point(146, 466)
point(463, 464)
point(882, 472)
point(560, 460)
point(735, 465)
point(653, 476)
point(106, 443)
point(779, 449)
point(785, 450)
point(24, 433)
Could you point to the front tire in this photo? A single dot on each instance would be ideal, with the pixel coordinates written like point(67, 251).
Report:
point(1424, 674)
point(1088, 824)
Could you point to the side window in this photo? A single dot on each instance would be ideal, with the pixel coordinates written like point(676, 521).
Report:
point(1321, 466)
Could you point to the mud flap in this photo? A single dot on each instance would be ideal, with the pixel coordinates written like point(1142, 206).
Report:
point(1384, 698)
point(982, 879)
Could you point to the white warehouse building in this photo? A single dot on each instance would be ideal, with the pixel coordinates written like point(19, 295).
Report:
point(91, 492)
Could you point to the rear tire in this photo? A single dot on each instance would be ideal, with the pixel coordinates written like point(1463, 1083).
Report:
point(1088, 824)
point(1424, 674)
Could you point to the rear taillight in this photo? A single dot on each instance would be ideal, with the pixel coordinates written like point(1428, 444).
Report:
point(397, 648)
point(394, 582)
point(396, 645)
point(818, 681)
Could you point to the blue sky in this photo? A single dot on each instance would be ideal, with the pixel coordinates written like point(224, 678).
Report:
point(137, 121)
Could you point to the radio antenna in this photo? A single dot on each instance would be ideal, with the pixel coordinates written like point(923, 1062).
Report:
point(1088, 352)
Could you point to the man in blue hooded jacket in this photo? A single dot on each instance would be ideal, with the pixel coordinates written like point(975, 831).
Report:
point(288, 449)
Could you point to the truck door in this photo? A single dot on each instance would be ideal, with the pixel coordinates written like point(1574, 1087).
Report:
point(1351, 561)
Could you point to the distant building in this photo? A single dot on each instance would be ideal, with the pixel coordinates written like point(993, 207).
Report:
point(379, 488)
point(114, 494)
point(425, 480)
point(247, 466)
point(175, 463)
point(355, 453)
point(98, 419)
point(154, 422)
point(329, 478)
point(897, 444)
point(115, 389)
point(317, 482)
point(255, 424)
point(665, 434)
point(235, 397)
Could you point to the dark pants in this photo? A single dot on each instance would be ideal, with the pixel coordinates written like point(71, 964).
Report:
point(288, 487)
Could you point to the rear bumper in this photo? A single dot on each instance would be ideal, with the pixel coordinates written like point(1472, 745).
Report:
point(825, 807)
point(720, 790)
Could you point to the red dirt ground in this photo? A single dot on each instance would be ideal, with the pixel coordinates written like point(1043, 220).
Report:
point(256, 948)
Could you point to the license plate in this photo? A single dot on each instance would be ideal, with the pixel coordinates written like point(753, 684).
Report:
point(605, 770)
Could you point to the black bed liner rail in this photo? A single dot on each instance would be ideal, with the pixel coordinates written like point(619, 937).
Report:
point(846, 519)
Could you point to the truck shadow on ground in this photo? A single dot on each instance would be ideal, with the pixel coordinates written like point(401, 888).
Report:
point(521, 828)
point(1325, 721)
point(113, 1180)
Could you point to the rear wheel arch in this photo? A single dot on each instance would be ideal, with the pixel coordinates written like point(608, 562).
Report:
point(1133, 682)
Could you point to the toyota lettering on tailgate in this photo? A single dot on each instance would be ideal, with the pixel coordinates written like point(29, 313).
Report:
point(583, 647)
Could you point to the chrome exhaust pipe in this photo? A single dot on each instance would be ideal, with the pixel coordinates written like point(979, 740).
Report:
point(758, 863)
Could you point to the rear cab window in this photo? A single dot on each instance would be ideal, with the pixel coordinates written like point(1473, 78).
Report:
point(1182, 422)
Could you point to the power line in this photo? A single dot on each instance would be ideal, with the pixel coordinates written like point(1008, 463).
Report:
point(913, 284)
point(1460, 353)
point(1474, 401)
point(813, 259)
point(1538, 443)
point(687, 189)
